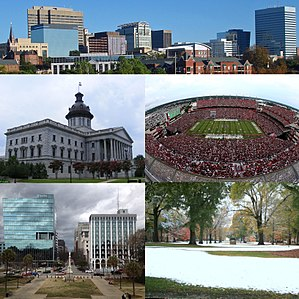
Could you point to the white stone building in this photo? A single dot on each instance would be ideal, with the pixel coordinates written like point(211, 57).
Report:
point(109, 235)
point(47, 140)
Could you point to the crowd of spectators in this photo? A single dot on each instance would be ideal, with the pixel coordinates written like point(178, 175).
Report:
point(227, 102)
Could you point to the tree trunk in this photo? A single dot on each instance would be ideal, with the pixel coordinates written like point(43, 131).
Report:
point(192, 240)
point(201, 235)
point(156, 235)
point(260, 233)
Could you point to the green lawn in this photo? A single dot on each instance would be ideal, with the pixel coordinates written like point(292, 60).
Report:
point(12, 284)
point(245, 128)
point(166, 288)
point(263, 254)
point(74, 180)
point(161, 244)
point(124, 180)
point(77, 289)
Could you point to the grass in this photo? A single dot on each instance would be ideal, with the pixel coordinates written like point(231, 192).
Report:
point(174, 245)
point(166, 288)
point(74, 180)
point(245, 128)
point(262, 254)
point(127, 287)
point(77, 289)
point(12, 284)
point(124, 180)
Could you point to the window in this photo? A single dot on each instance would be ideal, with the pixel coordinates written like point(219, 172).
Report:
point(82, 153)
point(39, 151)
point(75, 143)
point(10, 142)
point(92, 144)
point(54, 138)
point(32, 138)
point(53, 151)
point(69, 142)
point(16, 141)
point(69, 154)
point(24, 140)
point(93, 156)
point(76, 154)
point(61, 153)
point(31, 152)
point(61, 139)
point(61, 169)
point(81, 144)
point(40, 137)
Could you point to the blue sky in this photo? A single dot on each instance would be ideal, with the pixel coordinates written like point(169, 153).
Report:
point(189, 20)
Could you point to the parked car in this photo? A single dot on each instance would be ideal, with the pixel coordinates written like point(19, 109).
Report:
point(88, 271)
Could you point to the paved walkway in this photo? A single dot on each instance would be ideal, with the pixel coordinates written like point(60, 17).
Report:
point(108, 291)
point(28, 291)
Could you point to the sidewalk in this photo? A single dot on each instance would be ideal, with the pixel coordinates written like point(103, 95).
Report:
point(108, 291)
point(28, 291)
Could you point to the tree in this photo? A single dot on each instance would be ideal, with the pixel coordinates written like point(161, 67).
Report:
point(200, 200)
point(126, 166)
point(74, 53)
point(82, 67)
point(92, 168)
point(112, 262)
point(79, 168)
point(39, 171)
point(15, 170)
point(129, 66)
point(7, 257)
point(56, 165)
point(137, 246)
point(115, 167)
point(258, 200)
point(133, 269)
point(259, 57)
point(157, 199)
point(27, 68)
point(27, 261)
point(140, 165)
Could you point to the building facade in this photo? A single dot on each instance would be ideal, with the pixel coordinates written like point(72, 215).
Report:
point(46, 140)
point(275, 30)
point(111, 43)
point(221, 47)
point(240, 40)
point(109, 236)
point(30, 226)
point(82, 239)
point(61, 38)
point(38, 15)
point(138, 35)
point(161, 39)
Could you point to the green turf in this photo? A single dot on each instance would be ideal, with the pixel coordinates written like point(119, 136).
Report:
point(166, 288)
point(263, 254)
point(241, 127)
point(178, 245)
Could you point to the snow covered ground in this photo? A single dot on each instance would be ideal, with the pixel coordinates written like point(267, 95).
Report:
point(197, 267)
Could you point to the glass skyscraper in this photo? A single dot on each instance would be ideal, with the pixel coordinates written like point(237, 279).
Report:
point(29, 226)
point(275, 30)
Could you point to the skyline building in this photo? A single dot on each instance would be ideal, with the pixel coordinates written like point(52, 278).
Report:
point(161, 39)
point(47, 140)
point(111, 43)
point(221, 47)
point(138, 35)
point(30, 226)
point(275, 30)
point(81, 239)
point(240, 40)
point(42, 15)
point(61, 38)
point(109, 236)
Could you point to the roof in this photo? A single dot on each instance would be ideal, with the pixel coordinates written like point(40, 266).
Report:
point(8, 62)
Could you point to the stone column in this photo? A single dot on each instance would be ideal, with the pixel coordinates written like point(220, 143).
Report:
point(111, 149)
point(105, 150)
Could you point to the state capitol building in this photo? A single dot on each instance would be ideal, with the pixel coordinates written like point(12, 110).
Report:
point(47, 140)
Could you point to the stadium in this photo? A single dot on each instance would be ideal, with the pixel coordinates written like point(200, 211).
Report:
point(227, 138)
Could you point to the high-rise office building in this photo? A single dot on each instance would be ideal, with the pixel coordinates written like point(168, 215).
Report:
point(138, 35)
point(109, 235)
point(61, 38)
point(111, 43)
point(221, 47)
point(38, 15)
point(240, 40)
point(161, 39)
point(30, 226)
point(82, 239)
point(275, 30)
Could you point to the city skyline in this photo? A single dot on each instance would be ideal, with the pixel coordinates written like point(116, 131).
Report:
point(191, 29)
point(76, 202)
point(41, 97)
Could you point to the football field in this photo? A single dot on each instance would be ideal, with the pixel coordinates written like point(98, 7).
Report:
point(246, 128)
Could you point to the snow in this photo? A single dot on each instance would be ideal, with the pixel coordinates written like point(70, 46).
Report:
point(197, 267)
